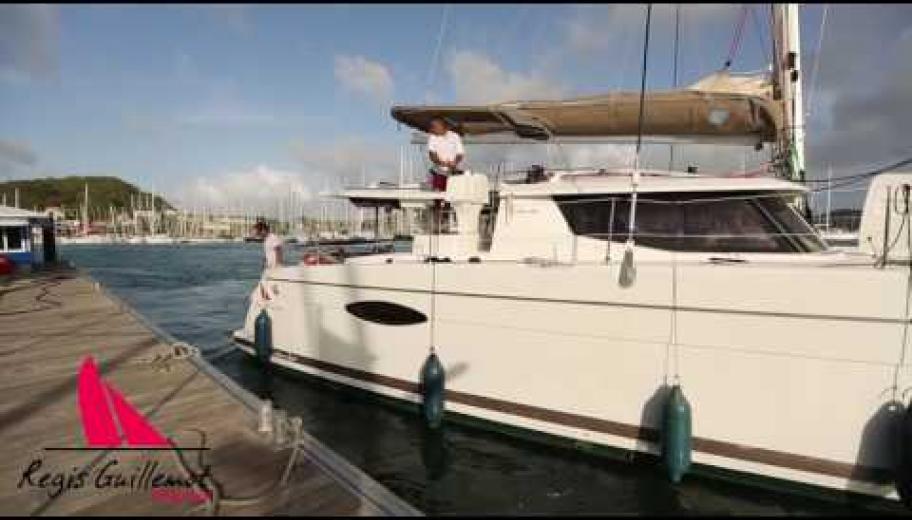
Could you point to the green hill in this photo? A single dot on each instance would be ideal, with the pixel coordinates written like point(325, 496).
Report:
point(68, 193)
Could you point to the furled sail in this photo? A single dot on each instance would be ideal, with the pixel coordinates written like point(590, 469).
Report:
point(719, 105)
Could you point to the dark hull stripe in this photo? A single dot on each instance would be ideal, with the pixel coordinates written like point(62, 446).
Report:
point(860, 319)
point(709, 446)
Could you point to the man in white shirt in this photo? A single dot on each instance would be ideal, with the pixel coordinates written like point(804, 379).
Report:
point(272, 246)
point(446, 152)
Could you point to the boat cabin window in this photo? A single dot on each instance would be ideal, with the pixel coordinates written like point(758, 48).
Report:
point(714, 222)
point(12, 238)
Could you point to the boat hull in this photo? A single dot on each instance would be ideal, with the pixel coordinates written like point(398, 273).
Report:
point(591, 363)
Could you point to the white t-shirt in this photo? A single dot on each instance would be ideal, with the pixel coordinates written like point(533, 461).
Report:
point(270, 243)
point(446, 146)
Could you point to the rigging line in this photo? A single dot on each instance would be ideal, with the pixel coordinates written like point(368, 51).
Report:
point(736, 38)
point(674, 317)
point(764, 50)
point(816, 68)
point(895, 240)
point(435, 251)
point(634, 174)
point(849, 182)
point(432, 71)
point(674, 74)
point(639, 141)
point(905, 336)
point(859, 176)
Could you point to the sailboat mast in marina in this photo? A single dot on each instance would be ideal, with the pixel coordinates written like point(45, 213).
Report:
point(85, 211)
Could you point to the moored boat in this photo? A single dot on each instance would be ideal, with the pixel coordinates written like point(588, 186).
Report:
point(575, 302)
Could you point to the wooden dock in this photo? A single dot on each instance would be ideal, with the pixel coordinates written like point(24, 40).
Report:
point(50, 322)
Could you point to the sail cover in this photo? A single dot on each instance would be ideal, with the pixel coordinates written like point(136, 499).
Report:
point(718, 105)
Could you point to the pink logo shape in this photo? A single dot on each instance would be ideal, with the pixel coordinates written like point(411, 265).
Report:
point(98, 424)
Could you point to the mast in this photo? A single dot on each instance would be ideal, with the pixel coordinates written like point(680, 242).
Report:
point(787, 80)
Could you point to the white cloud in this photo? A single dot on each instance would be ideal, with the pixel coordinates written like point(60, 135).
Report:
point(364, 77)
point(17, 152)
point(225, 107)
point(260, 190)
point(226, 114)
point(478, 79)
point(28, 42)
point(16, 159)
point(590, 29)
point(610, 38)
point(347, 160)
point(322, 166)
point(600, 28)
point(234, 17)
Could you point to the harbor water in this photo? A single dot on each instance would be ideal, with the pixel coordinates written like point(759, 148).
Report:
point(198, 293)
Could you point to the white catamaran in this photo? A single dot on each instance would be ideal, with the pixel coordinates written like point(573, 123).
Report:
point(569, 301)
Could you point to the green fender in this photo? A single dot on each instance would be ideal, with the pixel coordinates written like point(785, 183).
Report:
point(262, 336)
point(433, 381)
point(676, 435)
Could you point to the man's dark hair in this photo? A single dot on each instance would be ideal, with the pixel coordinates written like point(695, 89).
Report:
point(262, 226)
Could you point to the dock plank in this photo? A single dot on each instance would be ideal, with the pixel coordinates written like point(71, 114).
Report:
point(70, 319)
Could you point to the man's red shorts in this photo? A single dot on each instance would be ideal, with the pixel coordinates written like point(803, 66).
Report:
point(438, 182)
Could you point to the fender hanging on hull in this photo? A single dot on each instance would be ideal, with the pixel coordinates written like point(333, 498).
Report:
point(433, 381)
point(904, 464)
point(676, 435)
point(262, 336)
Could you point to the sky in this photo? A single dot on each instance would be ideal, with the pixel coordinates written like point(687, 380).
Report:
point(223, 105)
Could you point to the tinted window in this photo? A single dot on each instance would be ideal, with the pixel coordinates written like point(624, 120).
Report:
point(729, 225)
point(657, 224)
point(791, 222)
point(13, 238)
point(710, 222)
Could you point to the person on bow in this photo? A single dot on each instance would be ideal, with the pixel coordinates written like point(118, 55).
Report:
point(272, 245)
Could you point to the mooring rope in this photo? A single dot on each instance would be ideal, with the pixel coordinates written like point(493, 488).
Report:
point(212, 490)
